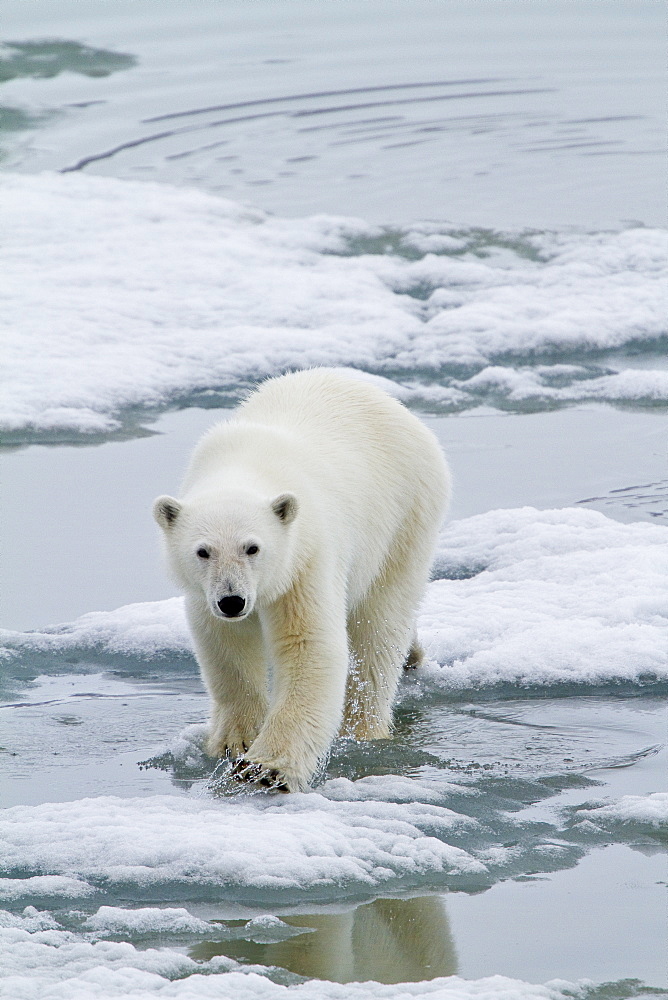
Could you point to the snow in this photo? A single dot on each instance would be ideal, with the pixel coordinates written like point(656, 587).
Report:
point(41, 959)
point(43, 885)
point(149, 630)
point(639, 810)
point(246, 846)
point(522, 597)
point(119, 294)
point(146, 920)
point(267, 929)
point(390, 788)
point(533, 385)
point(525, 597)
point(558, 597)
point(44, 961)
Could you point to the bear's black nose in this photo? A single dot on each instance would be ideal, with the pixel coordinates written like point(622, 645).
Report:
point(232, 606)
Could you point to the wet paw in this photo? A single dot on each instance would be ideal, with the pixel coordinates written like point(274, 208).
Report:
point(251, 772)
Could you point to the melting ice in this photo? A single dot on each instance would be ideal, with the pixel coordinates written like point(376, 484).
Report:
point(215, 295)
point(161, 882)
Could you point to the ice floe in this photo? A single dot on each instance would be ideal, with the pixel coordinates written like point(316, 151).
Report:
point(246, 848)
point(145, 920)
point(552, 597)
point(146, 630)
point(65, 886)
point(522, 597)
point(121, 295)
point(43, 960)
point(630, 810)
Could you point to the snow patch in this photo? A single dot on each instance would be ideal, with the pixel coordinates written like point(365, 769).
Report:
point(637, 810)
point(117, 920)
point(121, 295)
point(297, 842)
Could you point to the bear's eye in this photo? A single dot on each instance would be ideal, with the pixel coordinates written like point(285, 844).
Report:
point(203, 553)
point(252, 550)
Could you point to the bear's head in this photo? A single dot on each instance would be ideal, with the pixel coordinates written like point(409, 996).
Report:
point(232, 548)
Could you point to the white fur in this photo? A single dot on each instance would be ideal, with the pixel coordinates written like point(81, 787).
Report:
point(342, 490)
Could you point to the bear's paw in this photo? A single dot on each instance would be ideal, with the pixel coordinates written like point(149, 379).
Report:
point(251, 772)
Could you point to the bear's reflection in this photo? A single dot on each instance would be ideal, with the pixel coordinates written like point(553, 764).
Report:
point(388, 941)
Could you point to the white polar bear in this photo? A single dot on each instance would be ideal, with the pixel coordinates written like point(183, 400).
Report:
point(303, 543)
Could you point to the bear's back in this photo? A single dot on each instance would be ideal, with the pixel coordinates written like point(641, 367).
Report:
point(329, 402)
point(351, 424)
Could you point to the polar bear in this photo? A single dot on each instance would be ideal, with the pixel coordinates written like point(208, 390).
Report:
point(303, 541)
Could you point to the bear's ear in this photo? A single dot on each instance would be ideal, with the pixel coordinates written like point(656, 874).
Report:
point(285, 507)
point(165, 511)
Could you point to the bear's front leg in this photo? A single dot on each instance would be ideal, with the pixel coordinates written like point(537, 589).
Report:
point(305, 632)
point(231, 658)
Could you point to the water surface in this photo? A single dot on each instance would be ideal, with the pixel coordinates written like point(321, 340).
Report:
point(481, 111)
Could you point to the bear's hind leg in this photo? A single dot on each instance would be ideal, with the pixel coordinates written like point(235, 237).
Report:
point(383, 639)
point(379, 647)
point(415, 655)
